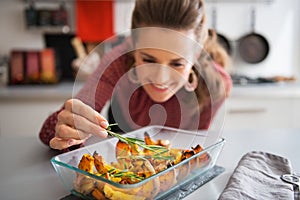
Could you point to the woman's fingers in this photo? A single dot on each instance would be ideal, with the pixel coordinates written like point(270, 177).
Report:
point(76, 122)
point(73, 126)
point(78, 107)
point(66, 132)
point(59, 143)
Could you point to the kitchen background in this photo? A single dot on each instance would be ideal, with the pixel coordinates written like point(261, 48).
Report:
point(277, 20)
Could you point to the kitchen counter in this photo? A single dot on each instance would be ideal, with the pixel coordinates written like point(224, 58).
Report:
point(65, 90)
point(61, 90)
point(271, 90)
point(26, 171)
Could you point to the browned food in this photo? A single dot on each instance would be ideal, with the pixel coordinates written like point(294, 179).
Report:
point(86, 163)
point(134, 165)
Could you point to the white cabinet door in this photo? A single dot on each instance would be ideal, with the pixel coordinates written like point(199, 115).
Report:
point(258, 113)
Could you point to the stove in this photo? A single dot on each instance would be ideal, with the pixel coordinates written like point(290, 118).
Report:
point(245, 80)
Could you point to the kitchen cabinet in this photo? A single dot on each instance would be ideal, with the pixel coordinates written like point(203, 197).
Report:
point(262, 110)
point(23, 109)
point(254, 113)
point(25, 118)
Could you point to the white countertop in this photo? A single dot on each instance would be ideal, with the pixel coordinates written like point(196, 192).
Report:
point(65, 90)
point(26, 171)
point(62, 90)
point(269, 90)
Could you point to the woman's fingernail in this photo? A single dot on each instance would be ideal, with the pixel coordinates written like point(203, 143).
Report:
point(103, 133)
point(104, 124)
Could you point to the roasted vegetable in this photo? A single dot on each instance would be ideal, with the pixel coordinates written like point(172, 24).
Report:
point(135, 164)
point(100, 163)
point(97, 194)
point(87, 163)
point(117, 195)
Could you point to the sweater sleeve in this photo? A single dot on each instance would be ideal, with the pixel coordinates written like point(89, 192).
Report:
point(96, 90)
point(47, 131)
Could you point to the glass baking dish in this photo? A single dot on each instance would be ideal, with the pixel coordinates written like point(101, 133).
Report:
point(153, 187)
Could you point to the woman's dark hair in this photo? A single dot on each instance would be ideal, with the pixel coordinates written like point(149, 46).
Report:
point(173, 14)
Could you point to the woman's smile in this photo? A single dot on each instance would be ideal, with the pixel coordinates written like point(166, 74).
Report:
point(160, 88)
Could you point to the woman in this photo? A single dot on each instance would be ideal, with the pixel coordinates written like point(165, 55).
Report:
point(160, 75)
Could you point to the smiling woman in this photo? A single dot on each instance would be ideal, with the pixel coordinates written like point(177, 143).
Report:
point(161, 74)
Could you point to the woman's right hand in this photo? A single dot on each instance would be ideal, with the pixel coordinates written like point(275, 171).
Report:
point(76, 123)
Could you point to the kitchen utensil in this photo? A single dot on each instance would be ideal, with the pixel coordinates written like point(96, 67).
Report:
point(44, 17)
point(79, 47)
point(64, 52)
point(292, 179)
point(3, 70)
point(66, 165)
point(31, 15)
point(60, 16)
point(222, 39)
point(48, 66)
point(32, 66)
point(16, 70)
point(94, 20)
point(253, 47)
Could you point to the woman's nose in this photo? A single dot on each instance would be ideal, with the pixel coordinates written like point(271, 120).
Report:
point(162, 74)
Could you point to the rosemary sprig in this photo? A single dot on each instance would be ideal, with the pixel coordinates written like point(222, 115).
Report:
point(124, 173)
point(132, 141)
point(155, 156)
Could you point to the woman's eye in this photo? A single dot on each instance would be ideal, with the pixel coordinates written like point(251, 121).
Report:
point(148, 60)
point(176, 64)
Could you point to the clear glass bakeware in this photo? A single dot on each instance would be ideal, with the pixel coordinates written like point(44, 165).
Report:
point(66, 164)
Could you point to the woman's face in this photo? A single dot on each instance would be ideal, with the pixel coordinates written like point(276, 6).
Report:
point(163, 72)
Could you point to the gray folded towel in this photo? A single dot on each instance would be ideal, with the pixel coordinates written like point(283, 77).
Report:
point(257, 176)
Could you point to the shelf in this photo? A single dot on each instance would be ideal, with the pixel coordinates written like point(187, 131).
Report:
point(49, 1)
point(62, 29)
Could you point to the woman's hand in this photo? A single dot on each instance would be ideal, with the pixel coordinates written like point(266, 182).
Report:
point(76, 123)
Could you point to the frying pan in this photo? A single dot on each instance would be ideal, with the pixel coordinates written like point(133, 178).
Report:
point(253, 47)
point(222, 39)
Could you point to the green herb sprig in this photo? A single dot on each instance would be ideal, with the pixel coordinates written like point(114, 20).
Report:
point(132, 141)
point(124, 173)
point(155, 156)
point(127, 175)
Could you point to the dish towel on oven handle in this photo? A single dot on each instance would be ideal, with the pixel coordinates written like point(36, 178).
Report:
point(257, 176)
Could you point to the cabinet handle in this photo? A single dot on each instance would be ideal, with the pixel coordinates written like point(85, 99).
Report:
point(247, 110)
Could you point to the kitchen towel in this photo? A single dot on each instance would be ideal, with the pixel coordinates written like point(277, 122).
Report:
point(257, 176)
point(94, 20)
